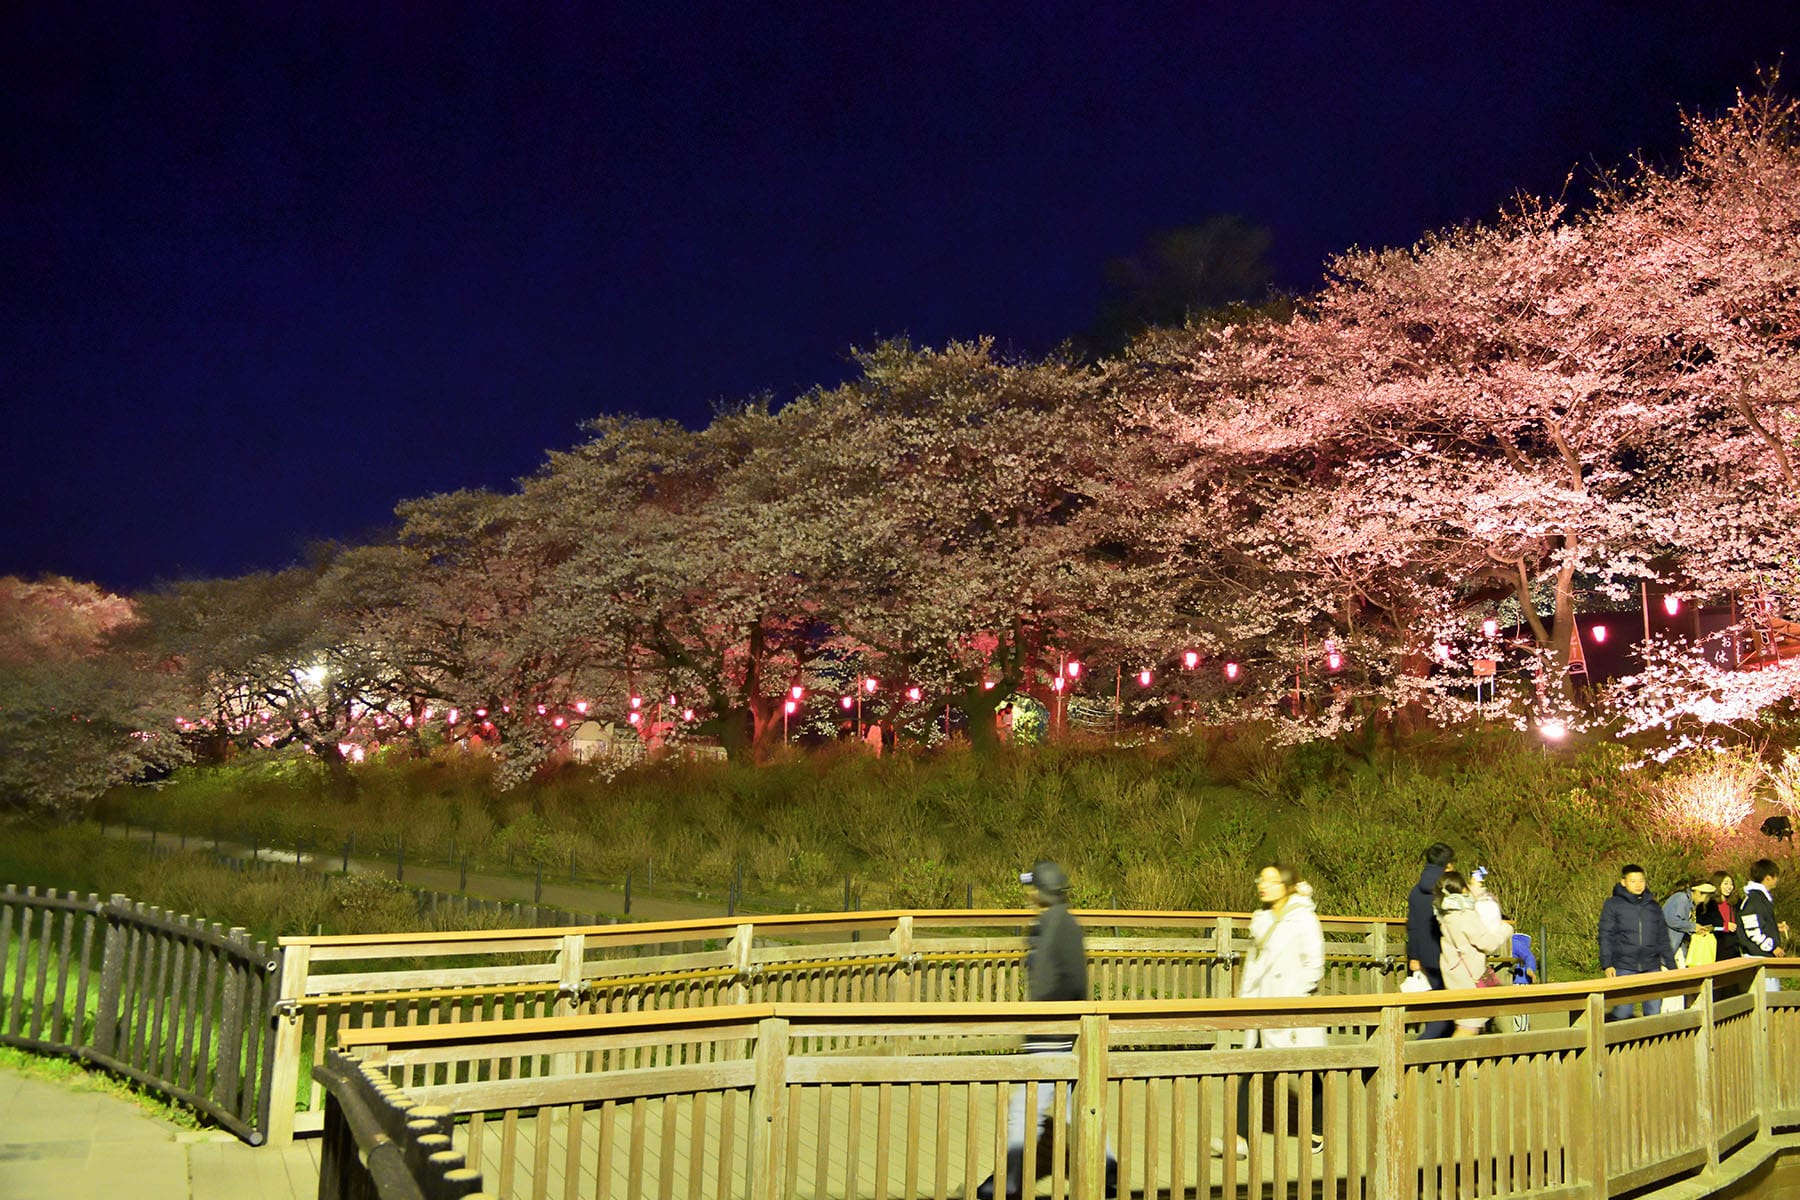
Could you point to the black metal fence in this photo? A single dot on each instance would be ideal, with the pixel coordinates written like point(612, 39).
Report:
point(172, 1002)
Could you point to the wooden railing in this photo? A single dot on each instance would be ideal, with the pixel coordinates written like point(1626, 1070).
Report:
point(334, 984)
point(743, 1100)
point(172, 1002)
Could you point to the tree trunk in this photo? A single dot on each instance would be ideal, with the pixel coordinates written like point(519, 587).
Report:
point(979, 705)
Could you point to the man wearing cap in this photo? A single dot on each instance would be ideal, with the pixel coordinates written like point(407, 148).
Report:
point(1055, 969)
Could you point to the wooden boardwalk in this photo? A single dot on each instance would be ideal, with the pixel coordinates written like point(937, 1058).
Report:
point(665, 1147)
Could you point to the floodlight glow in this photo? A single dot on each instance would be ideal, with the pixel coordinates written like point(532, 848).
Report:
point(1553, 730)
point(314, 675)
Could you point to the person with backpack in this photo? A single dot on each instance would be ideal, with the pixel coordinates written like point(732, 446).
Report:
point(1423, 936)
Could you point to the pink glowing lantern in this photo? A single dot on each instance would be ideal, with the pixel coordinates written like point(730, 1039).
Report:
point(1672, 604)
point(1334, 661)
point(791, 707)
point(1074, 669)
point(1599, 632)
point(1144, 678)
point(687, 714)
point(1191, 659)
point(637, 702)
point(1490, 627)
point(482, 713)
point(452, 717)
point(560, 721)
point(913, 694)
point(869, 685)
point(846, 703)
point(581, 707)
point(1057, 684)
point(1231, 670)
point(987, 685)
point(635, 717)
point(796, 692)
point(542, 710)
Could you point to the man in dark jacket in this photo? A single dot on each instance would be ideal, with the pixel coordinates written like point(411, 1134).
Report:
point(1055, 969)
point(1422, 934)
point(1634, 937)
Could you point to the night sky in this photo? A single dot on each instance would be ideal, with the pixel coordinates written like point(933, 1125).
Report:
point(272, 268)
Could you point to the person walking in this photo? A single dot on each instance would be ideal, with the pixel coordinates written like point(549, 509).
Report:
point(1468, 937)
point(1681, 913)
point(1760, 935)
point(1287, 958)
point(1055, 969)
point(1634, 938)
point(1423, 948)
point(1719, 913)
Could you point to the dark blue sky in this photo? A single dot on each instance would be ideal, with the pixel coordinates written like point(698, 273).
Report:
point(270, 269)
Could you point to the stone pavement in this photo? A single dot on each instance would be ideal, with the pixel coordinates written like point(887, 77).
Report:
point(60, 1143)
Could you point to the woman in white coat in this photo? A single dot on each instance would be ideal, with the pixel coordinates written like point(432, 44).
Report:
point(1287, 958)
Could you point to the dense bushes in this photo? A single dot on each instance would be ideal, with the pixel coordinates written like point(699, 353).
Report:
point(1178, 824)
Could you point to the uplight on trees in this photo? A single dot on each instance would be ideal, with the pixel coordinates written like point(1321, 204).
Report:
point(1553, 730)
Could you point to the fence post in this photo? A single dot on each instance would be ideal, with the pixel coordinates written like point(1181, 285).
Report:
point(1594, 1116)
point(1762, 1080)
point(741, 947)
point(768, 1110)
point(1378, 951)
point(1393, 1171)
point(1705, 1115)
point(290, 1028)
point(628, 893)
point(112, 973)
point(905, 984)
point(1090, 1107)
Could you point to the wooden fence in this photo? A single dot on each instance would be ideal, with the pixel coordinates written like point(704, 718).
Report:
point(745, 1100)
point(964, 956)
point(172, 1002)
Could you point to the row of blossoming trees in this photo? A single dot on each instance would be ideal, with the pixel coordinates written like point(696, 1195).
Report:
point(1498, 420)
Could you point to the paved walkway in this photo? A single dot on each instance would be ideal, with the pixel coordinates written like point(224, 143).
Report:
point(60, 1143)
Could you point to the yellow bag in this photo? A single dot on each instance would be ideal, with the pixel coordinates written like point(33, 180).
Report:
point(1702, 948)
